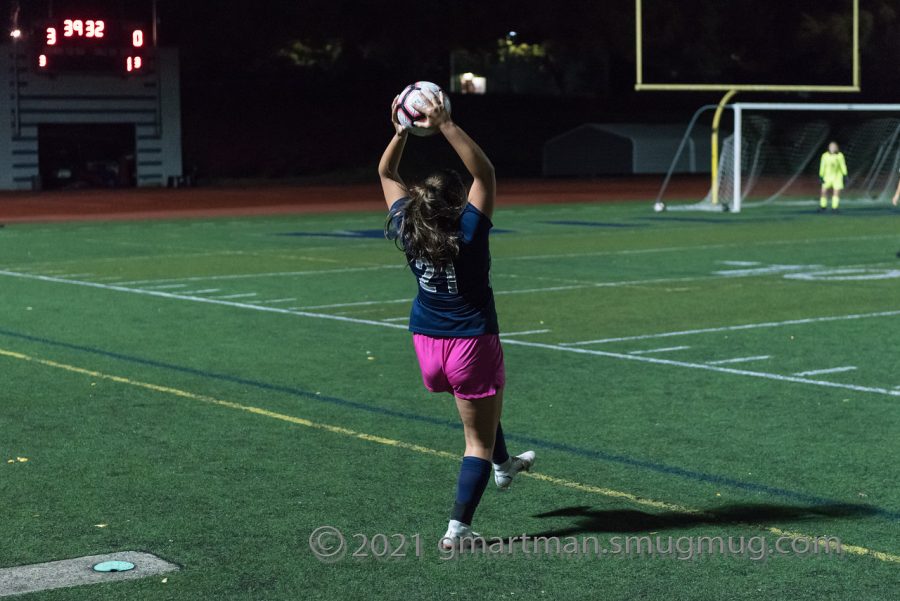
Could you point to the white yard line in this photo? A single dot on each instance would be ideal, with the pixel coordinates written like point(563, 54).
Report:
point(357, 304)
point(519, 291)
point(707, 367)
point(162, 287)
point(510, 342)
point(245, 295)
point(269, 274)
point(746, 326)
point(665, 249)
point(276, 301)
point(830, 370)
point(199, 299)
point(523, 333)
point(739, 360)
point(207, 291)
point(667, 349)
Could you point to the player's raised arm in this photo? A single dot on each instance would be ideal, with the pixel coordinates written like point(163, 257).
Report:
point(483, 190)
point(388, 167)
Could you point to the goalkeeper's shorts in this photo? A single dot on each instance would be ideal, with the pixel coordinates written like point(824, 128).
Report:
point(835, 182)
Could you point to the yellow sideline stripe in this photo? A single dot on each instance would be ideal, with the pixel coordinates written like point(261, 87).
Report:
point(606, 492)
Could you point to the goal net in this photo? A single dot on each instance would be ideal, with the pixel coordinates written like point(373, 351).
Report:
point(773, 151)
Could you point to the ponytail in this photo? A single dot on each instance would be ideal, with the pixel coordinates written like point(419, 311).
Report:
point(427, 226)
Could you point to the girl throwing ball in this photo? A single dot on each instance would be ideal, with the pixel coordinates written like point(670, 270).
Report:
point(443, 230)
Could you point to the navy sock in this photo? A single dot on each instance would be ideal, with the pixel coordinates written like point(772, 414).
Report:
point(473, 478)
point(500, 455)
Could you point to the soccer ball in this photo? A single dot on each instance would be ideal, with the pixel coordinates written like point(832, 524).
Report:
point(659, 207)
point(413, 102)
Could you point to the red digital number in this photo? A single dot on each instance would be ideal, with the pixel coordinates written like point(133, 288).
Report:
point(51, 36)
point(133, 63)
point(42, 61)
point(77, 28)
point(137, 38)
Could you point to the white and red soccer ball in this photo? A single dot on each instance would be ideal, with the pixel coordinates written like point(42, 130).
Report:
point(413, 102)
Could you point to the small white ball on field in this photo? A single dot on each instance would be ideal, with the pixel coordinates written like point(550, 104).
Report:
point(412, 104)
point(659, 207)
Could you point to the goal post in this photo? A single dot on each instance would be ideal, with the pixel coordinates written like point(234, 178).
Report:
point(772, 153)
point(668, 62)
point(884, 146)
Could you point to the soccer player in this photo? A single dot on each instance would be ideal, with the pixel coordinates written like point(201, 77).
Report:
point(443, 230)
point(832, 171)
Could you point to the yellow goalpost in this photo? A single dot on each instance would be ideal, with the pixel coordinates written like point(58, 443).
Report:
point(731, 89)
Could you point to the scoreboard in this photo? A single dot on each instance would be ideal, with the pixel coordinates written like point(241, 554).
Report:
point(82, 44)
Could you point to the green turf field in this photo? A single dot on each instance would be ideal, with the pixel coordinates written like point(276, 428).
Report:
point(212, 391)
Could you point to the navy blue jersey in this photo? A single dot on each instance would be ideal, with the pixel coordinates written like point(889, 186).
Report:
point(454, 300)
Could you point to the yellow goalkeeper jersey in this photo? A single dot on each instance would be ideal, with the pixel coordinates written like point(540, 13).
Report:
point(832, 166)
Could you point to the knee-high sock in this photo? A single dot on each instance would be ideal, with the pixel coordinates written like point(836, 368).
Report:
point(500, 455)
point(835, 202)
point(823, 201)
point(473, 478)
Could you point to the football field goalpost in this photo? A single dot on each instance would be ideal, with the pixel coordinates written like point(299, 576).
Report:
point(772, 154)
point(774, 149)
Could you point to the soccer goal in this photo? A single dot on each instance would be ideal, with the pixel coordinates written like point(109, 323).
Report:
point(773, 151)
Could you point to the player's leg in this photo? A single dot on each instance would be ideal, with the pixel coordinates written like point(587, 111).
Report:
point(823, 198)
point(479, 419)
point(505, 466)
point(836, 194)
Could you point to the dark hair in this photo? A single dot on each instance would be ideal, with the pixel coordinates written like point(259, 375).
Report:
point(428, 227)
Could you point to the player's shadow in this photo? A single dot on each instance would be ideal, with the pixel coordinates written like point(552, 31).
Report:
point(588, 520)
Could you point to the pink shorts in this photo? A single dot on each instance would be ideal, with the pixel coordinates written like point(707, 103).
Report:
point(470, 368)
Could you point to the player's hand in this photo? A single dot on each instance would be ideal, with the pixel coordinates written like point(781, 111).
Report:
point(895, 199)
point(435, 113)
point(399, 129)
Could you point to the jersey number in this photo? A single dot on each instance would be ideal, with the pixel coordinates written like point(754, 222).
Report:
point(437, 279)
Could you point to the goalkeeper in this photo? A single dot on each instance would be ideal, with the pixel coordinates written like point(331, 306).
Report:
point(832, 170)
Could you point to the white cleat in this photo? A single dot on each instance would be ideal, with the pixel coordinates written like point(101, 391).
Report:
point(458, 536)
point(504, 474)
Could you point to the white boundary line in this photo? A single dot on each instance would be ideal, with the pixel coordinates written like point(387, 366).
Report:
point(830, 370)
point(746, 326)
point(511, 342)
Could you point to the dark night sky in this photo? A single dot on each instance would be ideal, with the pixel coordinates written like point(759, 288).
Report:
point(233, 63)
point(766, 39)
